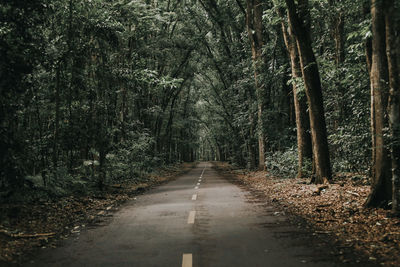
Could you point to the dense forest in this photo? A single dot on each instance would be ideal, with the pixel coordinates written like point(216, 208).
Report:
point(99, 91)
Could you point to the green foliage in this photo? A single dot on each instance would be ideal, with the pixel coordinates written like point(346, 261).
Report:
point(351, 150)
point(92, 92)
point(284, 163)
point(97, 92)
point(132, 159)
point(20, 49)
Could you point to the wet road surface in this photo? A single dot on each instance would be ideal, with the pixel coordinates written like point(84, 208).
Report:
point(200, 219)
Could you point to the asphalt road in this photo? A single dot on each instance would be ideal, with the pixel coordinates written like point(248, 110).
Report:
point(200, 219)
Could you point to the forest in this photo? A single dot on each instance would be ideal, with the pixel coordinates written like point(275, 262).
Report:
point(101, 92)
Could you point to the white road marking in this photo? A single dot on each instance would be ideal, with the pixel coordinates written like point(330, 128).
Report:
point(187, 260)
point(192, 214)
point(196, 187)
point(194, 197)
point(198, 183)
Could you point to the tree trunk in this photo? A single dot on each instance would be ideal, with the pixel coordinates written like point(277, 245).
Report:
point(251, 144)
point(338, 30)
point(300, 103)
point(57, 118)
point(337, 26)
point(298, 17)
point(381, 184)
point(392, 19)
point(123, 113)
point(255, 33)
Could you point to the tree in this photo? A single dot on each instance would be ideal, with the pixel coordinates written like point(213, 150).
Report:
point(20, 50)
point(300, 102)
point(392, 21)
point(255, 32)
point(95, 92)
point(88, 89)
point(384, 76)
point(299, 21)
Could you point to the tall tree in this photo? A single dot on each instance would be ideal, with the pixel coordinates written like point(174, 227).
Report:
point(300, 102)
point(299, 21)
point(381, 185)
point(255, 32)
point(392, 21)
point(385, 107)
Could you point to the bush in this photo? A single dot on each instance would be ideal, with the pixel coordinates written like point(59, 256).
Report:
point(132, 159)
point(284, 163)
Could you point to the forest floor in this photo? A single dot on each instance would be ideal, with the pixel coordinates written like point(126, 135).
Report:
point(334, 212)
point(39, 225)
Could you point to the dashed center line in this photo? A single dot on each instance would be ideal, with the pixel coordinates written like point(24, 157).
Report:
point(192, 214)
point(187, 260)
point(203, 171)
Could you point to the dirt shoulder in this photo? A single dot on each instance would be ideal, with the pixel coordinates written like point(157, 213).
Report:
point(34, 225)
point(335, 212)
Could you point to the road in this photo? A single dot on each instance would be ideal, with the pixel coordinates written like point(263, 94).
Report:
point(200, 219)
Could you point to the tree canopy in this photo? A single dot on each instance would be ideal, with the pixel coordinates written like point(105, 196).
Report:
point(95, 92)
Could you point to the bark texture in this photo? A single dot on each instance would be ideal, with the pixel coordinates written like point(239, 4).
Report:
point(300, 102)
point(381, 176)
point(392, 18)
point(299, 24)
point(254, 13)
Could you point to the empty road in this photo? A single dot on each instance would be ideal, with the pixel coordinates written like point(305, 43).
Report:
point(200, 219)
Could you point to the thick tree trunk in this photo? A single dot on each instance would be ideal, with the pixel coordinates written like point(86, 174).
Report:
point(300, 104)
point(381, 182)
point(298, 17)
point(255, 33)
point(392, 19)
point(368, 56)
